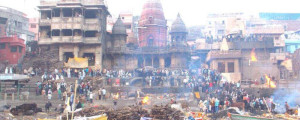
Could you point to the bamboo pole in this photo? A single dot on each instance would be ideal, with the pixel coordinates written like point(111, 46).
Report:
point(73, 109)
point(267, 106)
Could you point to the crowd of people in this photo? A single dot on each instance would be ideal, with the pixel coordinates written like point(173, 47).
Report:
point(219, 93)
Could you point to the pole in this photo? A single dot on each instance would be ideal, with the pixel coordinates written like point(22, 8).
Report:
point(267, 106)
point(74, 100)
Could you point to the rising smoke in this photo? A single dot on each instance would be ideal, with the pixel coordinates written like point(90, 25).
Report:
point(291, 96)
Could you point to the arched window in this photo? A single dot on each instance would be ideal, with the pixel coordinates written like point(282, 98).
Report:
point(150, 40)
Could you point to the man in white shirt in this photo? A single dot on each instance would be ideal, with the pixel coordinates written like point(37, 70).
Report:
point(91, 97)
point(103, 94)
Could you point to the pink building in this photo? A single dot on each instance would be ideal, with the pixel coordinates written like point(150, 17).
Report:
point(33, 27)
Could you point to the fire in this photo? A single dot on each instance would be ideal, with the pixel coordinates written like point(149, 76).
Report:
point(145, 100)
point(269, 82)
point(253, 55)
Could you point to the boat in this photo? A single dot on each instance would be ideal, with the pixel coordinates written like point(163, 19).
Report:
point(244, 117)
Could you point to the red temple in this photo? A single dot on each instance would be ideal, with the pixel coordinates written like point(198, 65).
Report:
point(152, 25)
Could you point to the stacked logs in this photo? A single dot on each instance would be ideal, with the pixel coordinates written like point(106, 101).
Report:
point(165, 113)
point(127, 113)
point(88, 112)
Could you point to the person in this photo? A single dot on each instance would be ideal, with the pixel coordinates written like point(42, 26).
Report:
point(103, 94)
point(99, 93)
point(79, 105)
point(48, 106)
point(6, 70)
point(59, 94)
point(49, 94)
point(217, 105)
point(91, 97)
point(69, 73)
point(287, 107)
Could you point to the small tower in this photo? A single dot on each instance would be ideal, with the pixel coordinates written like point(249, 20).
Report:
point(178, 32)
point(119, 34)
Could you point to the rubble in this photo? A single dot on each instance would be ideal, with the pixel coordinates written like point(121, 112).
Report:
point(127, 113)
point(47, 60)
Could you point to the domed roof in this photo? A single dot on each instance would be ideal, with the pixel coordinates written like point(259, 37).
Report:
point(119, 27)
point(152, 10)
point(178, 25)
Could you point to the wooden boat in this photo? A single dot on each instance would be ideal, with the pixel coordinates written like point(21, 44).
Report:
point(243, 117)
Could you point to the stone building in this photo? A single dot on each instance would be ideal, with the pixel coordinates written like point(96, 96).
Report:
point(74, 28)
point(153, 50)
point(14, 22)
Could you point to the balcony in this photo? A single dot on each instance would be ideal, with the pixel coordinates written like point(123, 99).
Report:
point(44, 41)
point(92, 27)
point(69, 1)
point(77, 39)
point(92, 40)
point(47, 3)
point(45, 22)
point(92, 2)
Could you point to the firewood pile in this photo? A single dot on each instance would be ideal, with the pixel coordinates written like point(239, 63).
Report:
point(165, 113)
point(127, 113)
point(88, 112)
point(47, 60)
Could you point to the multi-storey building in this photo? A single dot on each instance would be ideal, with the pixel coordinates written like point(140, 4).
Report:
point(14, 22)
point(76, 28)
point(219, 25)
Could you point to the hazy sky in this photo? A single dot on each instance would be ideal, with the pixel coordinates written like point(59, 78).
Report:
point(193, 12)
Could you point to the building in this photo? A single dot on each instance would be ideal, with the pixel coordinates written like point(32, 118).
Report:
point(244, 38)
point(153, 50)
point(219, 25)
point(12, 49)
point(292, 41)
point(74, 28)
point(13, 22)
point(34, 27)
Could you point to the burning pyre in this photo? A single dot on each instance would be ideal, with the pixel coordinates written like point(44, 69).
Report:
point(253, 55)
point(269, 82)
point(145, 100)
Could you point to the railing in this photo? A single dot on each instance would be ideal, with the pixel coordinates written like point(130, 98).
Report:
point(224, 54)
point(148, 50)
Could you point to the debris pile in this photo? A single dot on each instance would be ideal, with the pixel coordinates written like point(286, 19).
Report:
point(127, 113)
point(26, 109)
point(47, 60)
point(165, 113)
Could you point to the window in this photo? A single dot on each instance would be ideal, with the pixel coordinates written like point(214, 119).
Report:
point(231, 67)
point(13, 49)
point(221, 67)
point(220, 31)
point(2, 46)
point(33, 25)
point(3, 20)
point(20, 49)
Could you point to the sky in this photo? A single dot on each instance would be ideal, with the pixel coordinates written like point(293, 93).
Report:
point(193, 12)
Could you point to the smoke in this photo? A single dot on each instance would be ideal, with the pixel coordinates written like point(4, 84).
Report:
point(280, 96)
